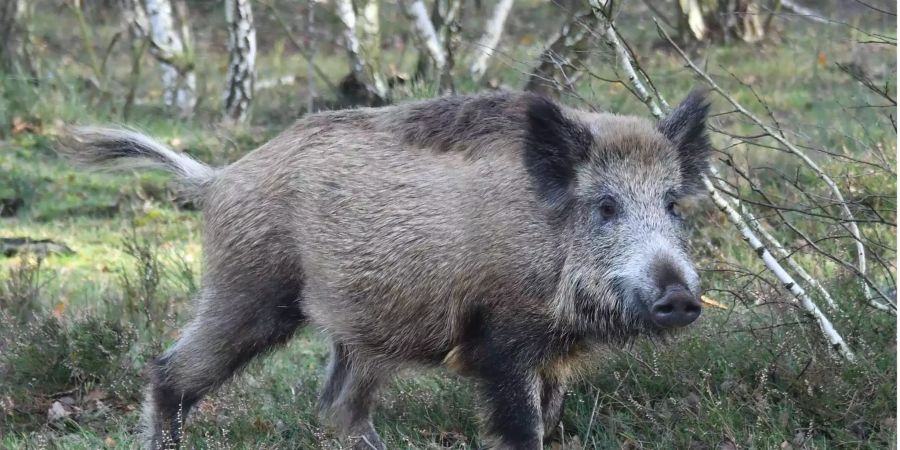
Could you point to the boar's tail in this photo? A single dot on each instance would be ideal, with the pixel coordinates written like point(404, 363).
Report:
point(122, 148)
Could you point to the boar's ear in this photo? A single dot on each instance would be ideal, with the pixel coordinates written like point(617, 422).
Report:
point(554, 145)
point(685, 127)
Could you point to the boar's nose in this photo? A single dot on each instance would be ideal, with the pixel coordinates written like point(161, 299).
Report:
point(677, 308)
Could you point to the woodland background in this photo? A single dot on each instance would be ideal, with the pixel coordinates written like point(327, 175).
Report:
point(796, 241)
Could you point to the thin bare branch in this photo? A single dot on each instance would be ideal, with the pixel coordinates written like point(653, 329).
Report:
point(831, 334)
point(848, 215)
point(297, 44)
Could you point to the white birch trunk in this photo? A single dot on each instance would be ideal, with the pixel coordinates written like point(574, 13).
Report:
point(447, 26)
point(363, 65)
point(368, 32)
point(425, 32)
point(834, 338)
point(721, 19)
point(241, 59)
point(486, 46)
point(344, 9)
point(172, 49)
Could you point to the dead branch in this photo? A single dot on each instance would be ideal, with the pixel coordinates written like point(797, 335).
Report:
point(563, 53)
point(755, 223)
point(831, 334)
point(297, 44)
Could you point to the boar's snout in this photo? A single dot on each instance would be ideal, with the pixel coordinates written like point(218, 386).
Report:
point(676, 308)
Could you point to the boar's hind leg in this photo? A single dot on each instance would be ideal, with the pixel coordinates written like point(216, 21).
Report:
point(230, 328)
point(347, 397)
point(553, 395)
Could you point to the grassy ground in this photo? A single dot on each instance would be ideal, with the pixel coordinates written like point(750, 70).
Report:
point(75, 330)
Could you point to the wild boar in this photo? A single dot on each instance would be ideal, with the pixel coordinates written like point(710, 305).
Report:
point(502, 235)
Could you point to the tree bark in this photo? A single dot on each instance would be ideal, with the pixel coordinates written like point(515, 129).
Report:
point(425, 32)
point(486, 46)
point(557, 68)
point(241, 59)
point(311, 49)
point(15, 37)
point(363, 43)
point(720, 20)
point(172, 48)
point(369, 34)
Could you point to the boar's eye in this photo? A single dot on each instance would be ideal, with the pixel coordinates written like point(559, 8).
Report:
point(673, 209)
point(672, 206)
point(608, 208)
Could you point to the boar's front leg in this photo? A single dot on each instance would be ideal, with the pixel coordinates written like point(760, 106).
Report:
point(513, 394)
point(514, 411)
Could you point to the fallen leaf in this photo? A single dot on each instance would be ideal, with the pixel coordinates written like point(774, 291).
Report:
point(59, 309)
point(20, 125)
point(707, 301)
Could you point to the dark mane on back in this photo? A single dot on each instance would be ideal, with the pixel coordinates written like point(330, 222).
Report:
point(461, 123)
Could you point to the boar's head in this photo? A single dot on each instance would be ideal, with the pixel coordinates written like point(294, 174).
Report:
point(613, 184)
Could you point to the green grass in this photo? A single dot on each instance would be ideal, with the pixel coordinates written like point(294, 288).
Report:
point(757, 374)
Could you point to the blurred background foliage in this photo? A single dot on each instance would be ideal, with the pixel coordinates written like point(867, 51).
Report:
point(98, 268)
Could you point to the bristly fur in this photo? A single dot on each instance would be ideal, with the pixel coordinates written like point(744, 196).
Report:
point(463, 229)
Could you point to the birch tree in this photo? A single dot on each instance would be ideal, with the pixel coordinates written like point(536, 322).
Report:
point(363, 43)
point(720, 20)
point(171, 45)
point(557, 68)
point(241, 59)
point(486, 46)
point(560, 54)
point(368, 32)
point(135, 19)
point(425, 32)
point(15, 37)
point(446, 22)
